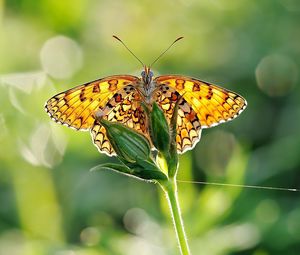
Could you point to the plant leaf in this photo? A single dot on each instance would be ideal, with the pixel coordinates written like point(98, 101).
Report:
point(135, 171)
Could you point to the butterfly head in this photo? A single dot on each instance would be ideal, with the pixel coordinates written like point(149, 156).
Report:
point(147, 75)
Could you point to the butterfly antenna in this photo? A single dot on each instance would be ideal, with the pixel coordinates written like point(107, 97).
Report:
point(116, 37)
point(179, 38)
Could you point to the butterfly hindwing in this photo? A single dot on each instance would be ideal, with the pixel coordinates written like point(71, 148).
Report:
point(76, 107)
point(188, 125)
point(212, 104)
point(124, 107)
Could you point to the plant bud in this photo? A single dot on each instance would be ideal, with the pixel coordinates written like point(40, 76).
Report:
point(127, 143)
point(159, 129)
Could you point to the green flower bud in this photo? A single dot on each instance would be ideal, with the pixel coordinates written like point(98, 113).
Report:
point(127, 143)
point(163, 137)
point(159, 129)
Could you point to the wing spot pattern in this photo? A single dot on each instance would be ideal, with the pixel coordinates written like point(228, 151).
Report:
point(196, 87)
point(180, 84)
point(112, 84)
point(96, 88)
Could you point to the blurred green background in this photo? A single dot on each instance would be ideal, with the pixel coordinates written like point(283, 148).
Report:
point(50, 203)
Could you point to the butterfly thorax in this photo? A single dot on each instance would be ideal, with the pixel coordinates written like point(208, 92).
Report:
point(147, 87)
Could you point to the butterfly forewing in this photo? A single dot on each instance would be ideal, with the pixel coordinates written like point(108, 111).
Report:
point(76, 107)
point(212, 104)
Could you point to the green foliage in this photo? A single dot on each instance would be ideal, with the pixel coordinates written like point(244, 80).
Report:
point(141, 170)
point(52, 204)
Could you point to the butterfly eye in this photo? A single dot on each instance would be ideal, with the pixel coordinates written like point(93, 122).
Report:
point(151, 74)
point(143, 73)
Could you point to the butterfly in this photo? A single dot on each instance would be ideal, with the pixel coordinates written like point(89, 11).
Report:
point(119, 98)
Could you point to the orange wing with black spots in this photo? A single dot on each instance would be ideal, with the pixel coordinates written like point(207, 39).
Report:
point(188, 124)
point(212, 104)
point(123, 107)
point(76, 107)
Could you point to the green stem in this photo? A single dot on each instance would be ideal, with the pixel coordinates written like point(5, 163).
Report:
point(170, 189)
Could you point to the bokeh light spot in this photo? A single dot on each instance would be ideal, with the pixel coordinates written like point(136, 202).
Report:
point(25, 82)
point(12, 242)
point(228, 238)
point(140, 246)
point(45, 147)
point(134, 218)
point(138, 222)
point(61, 57)
point(276, 75)
point(90, 236)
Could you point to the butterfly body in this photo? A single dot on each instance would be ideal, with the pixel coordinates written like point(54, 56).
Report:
point(147, 85)
point(119, 97)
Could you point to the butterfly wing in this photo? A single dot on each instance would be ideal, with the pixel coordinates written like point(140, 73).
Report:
point(76, 107)
point(212, 104)
point(188, 123)
point(124, 107)
point(202, 105)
